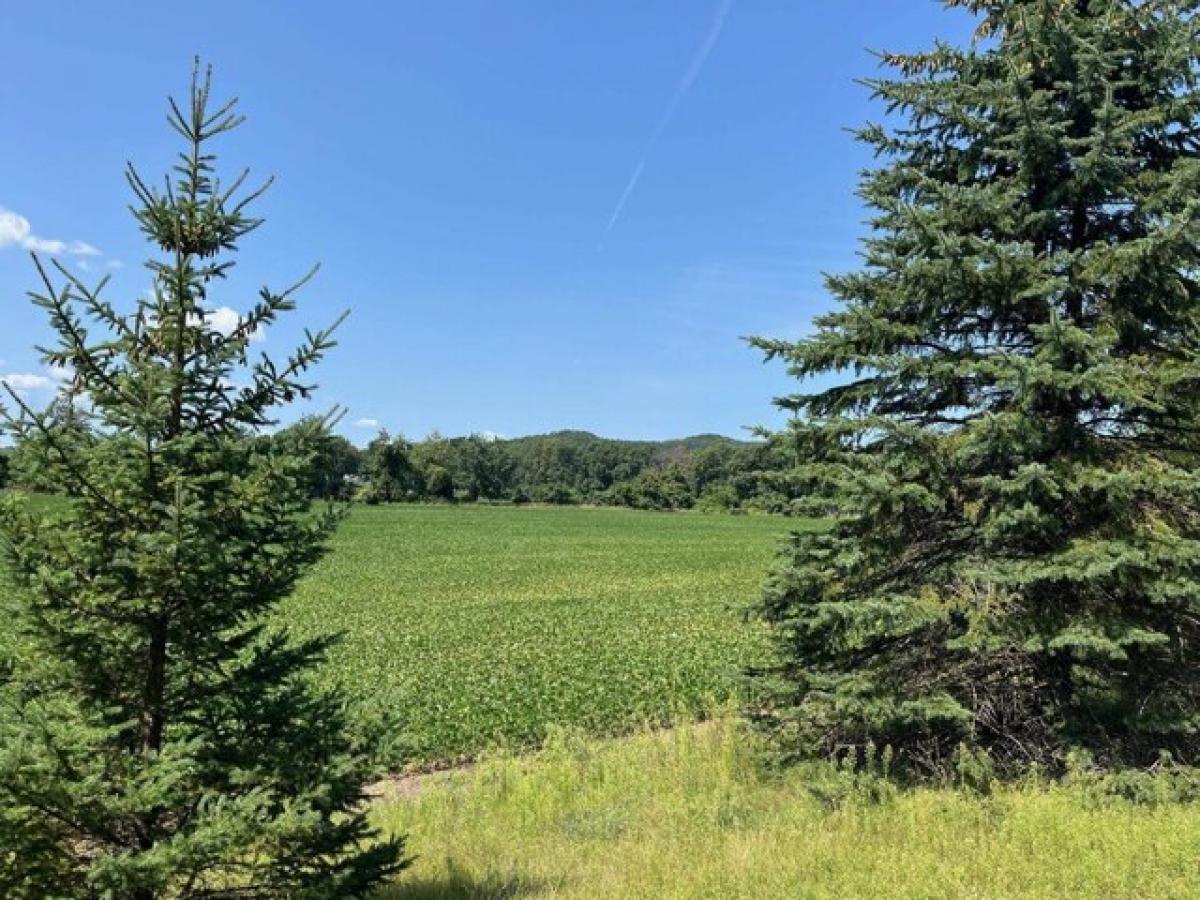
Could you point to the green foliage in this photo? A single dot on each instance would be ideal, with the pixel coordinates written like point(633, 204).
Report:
point(480, 468)
point(1012, 469)
point(334, 462)
point(1164, 784)
point(389, 473)
point(439, 483)
point(718, 498)
point(665, 488)
point(856, 778)
point(158, 737)
point(486, 623)
point(34, 466)
point(567, 468)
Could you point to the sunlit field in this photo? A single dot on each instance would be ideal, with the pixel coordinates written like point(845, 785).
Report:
point(521, 637)
point(484, 624)
point(689, 813)
point(492, 627)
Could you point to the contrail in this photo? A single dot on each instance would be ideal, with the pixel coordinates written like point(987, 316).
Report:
point(633, 180)
point(685, 84)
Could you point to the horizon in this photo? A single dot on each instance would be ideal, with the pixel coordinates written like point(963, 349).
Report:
point(542, 218)
point(362, 442)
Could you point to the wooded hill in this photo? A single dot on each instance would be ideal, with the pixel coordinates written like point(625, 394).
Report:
point(709, 471)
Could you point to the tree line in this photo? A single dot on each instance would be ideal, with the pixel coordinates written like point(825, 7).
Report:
point(708, 472)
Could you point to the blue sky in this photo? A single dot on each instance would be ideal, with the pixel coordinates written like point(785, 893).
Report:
point(542, 214)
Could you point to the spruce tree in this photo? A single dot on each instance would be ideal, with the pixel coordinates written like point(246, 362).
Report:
point(1010, 450)
point(159, 735)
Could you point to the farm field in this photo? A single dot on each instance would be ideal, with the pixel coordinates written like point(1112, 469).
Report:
point(526, 637)
point(484, 625)
point(495, 630)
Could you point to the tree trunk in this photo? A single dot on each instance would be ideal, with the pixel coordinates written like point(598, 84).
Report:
point(155, 688)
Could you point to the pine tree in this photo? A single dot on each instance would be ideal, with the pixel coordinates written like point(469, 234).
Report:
point(34, 466)
point(159, 736)
point(1010, 455)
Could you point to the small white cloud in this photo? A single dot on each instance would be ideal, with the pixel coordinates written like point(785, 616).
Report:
point(222, 320)
point(27, 381)
point(491, 436)
point(115, 264)
point(24, 384)
point(225, 320)
point(366, 423)
point(44, 245)
point(15, 230)
point(27, 384)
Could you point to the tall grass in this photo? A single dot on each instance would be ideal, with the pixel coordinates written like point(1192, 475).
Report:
point(689, 813)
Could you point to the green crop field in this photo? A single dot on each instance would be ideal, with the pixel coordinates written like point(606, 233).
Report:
point(482, 625)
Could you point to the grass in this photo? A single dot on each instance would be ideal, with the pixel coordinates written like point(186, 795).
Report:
point(687, 813)
point(486, 624)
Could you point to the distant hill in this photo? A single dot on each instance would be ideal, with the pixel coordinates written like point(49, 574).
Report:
point(651, 453)
point(700, 441)
point(692, 442)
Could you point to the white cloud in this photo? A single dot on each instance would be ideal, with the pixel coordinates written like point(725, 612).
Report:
point(491, 436)
point(44, 245)
point(27, 381)
point(367, 423)
point(225, 320)
point(28, 384)
point(15, 230)
point(53, 379)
